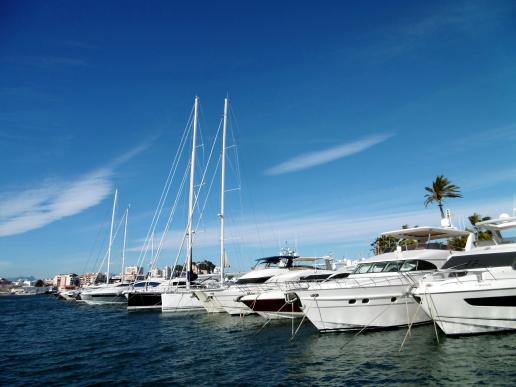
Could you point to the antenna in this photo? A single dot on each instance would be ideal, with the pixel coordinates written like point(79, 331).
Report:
point(446, 221)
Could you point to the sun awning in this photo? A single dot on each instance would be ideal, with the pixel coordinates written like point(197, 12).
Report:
point(426, 233)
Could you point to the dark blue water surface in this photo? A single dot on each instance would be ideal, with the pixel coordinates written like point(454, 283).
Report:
point(47, 341)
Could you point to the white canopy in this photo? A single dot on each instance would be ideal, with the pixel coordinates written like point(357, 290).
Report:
point(502, 223)
point(426, 233)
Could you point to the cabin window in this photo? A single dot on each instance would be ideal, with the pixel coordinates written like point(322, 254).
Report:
point(362, 268)
point(315, 277)
point(392, 266)
point(378, 267)
point(393, 299)
point(256, 280)
point(340, 275)
point(409, 266)
point(425, 265)
point(365, 301)
point(352, 301)
point(414, 265)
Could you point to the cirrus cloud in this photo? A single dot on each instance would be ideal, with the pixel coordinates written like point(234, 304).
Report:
point(53, 199)
point(324, 156)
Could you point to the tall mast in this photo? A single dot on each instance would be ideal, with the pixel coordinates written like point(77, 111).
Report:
point(111, 237)
point(222, 190)
point(191, 195)
point(125, 240)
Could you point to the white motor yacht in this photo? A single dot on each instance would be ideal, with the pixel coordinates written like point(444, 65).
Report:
point(146, 294)
point(271, 303)
point(105, 294)
point(265, 268)
point(377, 294)
point(69, 294)
point(475, 292)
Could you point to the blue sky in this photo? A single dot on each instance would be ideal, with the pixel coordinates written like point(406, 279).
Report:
point(344, 112)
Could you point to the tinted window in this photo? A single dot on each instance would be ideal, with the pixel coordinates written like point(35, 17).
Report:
point(315, 277)
point(425, 265)
point(258, 280)
point(476, 261)
point(340, 275)
point(416, 264)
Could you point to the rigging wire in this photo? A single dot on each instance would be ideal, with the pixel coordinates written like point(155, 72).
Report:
point(165, 191)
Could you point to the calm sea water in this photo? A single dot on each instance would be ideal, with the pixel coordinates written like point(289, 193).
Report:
point(47, 341)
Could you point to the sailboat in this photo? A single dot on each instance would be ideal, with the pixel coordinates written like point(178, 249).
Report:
point(109, 293)
point(182, 299)
point(205, 296)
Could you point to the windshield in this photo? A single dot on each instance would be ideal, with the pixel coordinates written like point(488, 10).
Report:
point(297, 264)
point(268, 263)
point(508, 236)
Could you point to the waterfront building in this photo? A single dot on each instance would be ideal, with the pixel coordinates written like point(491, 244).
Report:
point(167, 272)
point(156, 273)
point(132, 273)
point(92, 278)
point(66, 281)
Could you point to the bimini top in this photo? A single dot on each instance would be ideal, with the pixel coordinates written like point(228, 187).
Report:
point(502, 223)
point(276, 258)
point(426, 233)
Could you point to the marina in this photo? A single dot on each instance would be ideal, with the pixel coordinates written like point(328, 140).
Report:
point(257, 193)
point(57, 342)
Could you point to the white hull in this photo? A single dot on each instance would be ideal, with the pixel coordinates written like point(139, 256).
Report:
point(104, 299)
point(228, 299)
point(29, 291)
point(105, 295)
point(208, 301)
point(471, 307)
point(280, 315)
point(69, 295)
point(377, 307)
point(180, 301)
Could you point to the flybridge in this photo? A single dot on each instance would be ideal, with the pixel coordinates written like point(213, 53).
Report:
point(426, 233)
point(502, 223)
point(502, 229)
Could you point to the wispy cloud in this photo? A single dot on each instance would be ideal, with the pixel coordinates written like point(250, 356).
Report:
point(490, 179)
point(466, 18)
point(312, 159)
point(330, 229)
point(53, 200)
point(504, 134)
point(34, 208)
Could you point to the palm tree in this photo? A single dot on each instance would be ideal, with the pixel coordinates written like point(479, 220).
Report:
point(481, 235)
point(475, 218)
point(440, 190)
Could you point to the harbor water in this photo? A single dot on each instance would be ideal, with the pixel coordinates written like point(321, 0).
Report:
point(47, 341)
